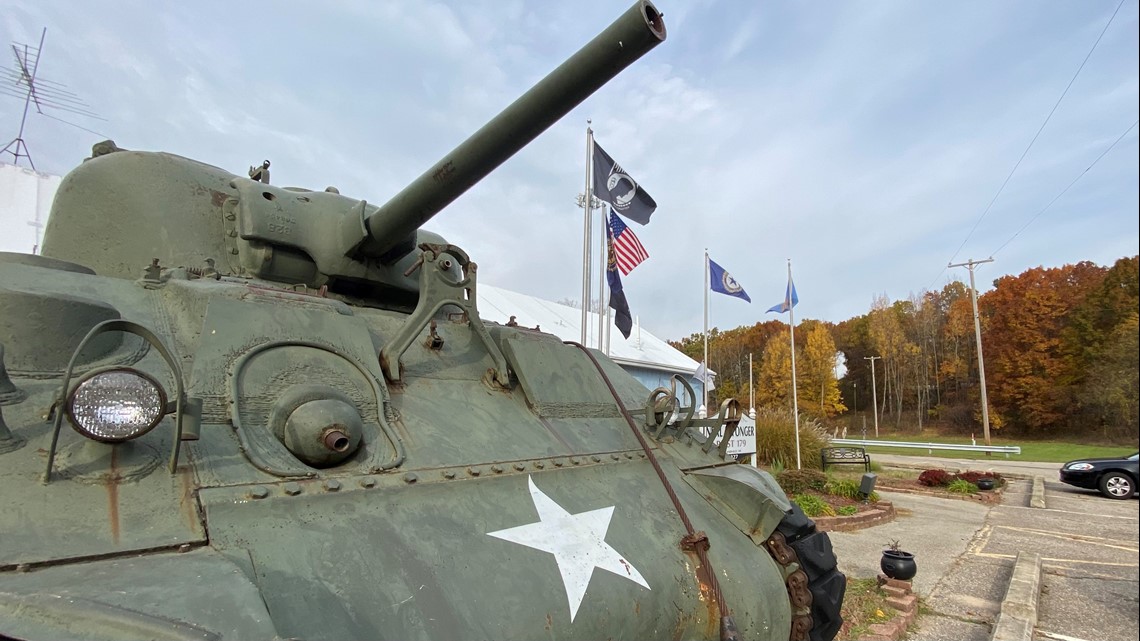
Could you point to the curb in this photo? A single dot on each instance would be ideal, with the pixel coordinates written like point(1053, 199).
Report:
point(900, 598)
point(1038, 498)
point(915, 466)
point(884, 513)
point(991, 497)
point(1018, 614)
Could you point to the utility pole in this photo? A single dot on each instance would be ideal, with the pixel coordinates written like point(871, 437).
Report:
point(970, 264)
point(874, 392)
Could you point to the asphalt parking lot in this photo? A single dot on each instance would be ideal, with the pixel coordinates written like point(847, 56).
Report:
point(1090, 564)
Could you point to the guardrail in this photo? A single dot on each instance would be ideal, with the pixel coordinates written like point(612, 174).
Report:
point(930, 447)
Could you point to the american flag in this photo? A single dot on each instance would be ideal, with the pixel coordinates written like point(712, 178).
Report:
point(627, 247)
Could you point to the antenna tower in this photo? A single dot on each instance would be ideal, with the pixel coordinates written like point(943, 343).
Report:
point(22, 82)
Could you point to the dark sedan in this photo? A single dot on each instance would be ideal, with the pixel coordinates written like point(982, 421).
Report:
point(1114, 477)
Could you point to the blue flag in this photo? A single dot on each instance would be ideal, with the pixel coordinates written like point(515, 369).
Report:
point(790, 299)
point(722, 282)
point(613, 185)
point(622, 316)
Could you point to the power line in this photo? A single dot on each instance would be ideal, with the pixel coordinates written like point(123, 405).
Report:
point(1030, 146)
point(1058, 196)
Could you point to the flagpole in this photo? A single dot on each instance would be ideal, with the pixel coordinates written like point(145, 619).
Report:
point(705, 381)
point(792, 329)
point(603, 265)
point(752, 408)
point(586, 205)
point(751, 394)
point(607, 324)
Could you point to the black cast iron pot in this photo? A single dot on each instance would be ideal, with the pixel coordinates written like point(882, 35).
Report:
point(897, 564)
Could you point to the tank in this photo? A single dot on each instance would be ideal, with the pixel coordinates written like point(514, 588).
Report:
point(233, 410)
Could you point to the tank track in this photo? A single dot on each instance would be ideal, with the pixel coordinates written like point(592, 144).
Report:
point(815, 585)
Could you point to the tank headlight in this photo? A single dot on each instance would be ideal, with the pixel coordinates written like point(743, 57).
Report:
point(116, 405)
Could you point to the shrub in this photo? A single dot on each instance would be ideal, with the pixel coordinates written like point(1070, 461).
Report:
point(800, 481)
point(812, 505)
point(848, 490)
point(842, 487)
point(974, 477)
point(777, 466)
point(962, 486)
point(935, 478)
point(776, 438)
point(846, 510)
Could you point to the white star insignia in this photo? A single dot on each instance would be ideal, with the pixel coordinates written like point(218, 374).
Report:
point(577, 541)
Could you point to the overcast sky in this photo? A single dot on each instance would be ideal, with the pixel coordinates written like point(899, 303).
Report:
point(862, 140)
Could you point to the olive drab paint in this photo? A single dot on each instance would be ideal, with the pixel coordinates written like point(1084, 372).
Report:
point(344, 448)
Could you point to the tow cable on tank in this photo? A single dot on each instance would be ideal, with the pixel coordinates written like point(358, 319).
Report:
point(693, 541)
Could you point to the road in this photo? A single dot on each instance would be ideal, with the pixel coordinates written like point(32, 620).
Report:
point(965, 552)
point(998, 464)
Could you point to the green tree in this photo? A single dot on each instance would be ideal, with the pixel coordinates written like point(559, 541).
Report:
point(1112, 388)
point(1111, 303)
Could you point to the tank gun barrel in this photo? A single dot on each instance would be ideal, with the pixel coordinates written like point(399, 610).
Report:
point(389, 232)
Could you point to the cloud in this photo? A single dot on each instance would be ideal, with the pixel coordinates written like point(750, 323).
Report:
point(861, 140)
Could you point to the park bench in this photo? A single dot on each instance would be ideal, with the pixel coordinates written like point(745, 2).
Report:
point(845, 456)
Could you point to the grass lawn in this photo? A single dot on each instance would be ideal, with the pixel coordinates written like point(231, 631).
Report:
point(863, 605)
point(1041, 451)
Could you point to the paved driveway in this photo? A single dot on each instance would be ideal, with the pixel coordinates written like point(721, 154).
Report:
point(965, 551)
point(1090, 582)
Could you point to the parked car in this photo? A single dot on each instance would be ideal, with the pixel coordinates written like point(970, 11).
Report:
point(1114, 477)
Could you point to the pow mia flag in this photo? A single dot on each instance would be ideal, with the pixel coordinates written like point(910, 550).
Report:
point(614, 186)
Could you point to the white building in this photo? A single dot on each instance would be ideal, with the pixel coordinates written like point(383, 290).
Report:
point(650, 360)
point(25, 201)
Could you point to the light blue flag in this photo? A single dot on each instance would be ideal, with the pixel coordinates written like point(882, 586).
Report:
point(790, 299)
point(722, 282)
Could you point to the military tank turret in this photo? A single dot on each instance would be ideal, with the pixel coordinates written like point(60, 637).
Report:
point(232, 410)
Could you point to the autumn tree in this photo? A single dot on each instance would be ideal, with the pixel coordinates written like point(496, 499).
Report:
point(729, 352)
point(893, 346)
point(774, 383)
point(1030, 378)
point(815, 372)
point(1060, 351)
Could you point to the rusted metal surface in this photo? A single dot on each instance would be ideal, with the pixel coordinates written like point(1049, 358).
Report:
point(111, 482)
point(693, 540)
